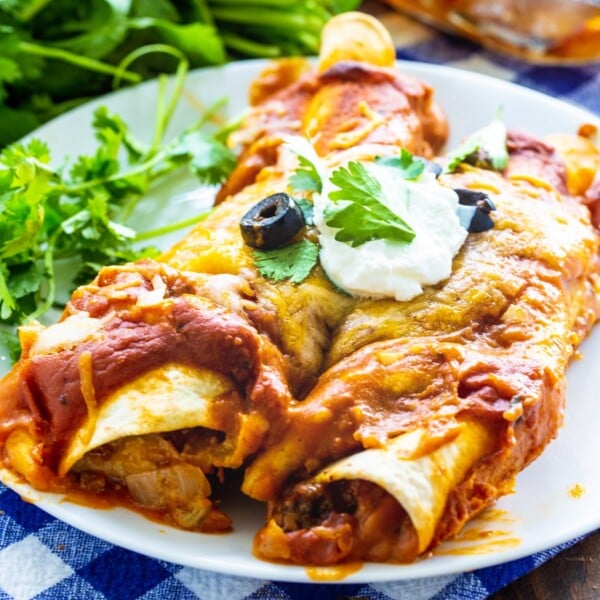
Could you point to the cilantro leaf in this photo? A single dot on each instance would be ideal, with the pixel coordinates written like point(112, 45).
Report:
point(358, 209)
point(10, 70)
point(307, 209)
point(104, 119)
point(409, 166)
point(306, 177)
point(486, 148)
point(293, 262)
point(7, 301)
point(209, 159)
point(185, 37)
point(100, 27)
point(11, 344)
point(25, 183)
point(80, 212)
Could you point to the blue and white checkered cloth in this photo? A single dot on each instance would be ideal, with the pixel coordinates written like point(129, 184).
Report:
point(44, 558)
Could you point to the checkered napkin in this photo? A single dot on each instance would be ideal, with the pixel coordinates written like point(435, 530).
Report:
point(578, 85)
point(41, 557)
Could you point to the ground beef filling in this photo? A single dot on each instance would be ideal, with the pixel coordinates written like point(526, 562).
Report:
point(325, 524)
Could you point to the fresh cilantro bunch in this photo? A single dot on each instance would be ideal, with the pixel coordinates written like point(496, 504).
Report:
point(55, 54)
point(79, 212)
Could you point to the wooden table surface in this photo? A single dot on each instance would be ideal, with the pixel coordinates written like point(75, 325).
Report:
point(574, 574)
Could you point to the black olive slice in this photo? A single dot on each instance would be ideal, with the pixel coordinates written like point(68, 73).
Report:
point(432, 167)
point(473, 219)
point(475, 198)
point(474, 210)
point(272, 222)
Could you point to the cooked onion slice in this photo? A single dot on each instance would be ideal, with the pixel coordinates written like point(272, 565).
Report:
point(181, 489)
point(156, 477)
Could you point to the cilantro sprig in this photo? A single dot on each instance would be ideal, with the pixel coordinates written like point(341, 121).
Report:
point(409, 166)
point(56, 55)
point(307, 177)
point(358, 210)
point(293, 262)
point(485, 148)
point(80, 213)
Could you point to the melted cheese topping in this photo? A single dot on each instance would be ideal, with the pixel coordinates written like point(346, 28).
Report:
point(69, 332)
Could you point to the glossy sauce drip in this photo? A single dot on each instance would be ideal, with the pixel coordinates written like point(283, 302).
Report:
point(334, 572)
point(576, 491)
point(482, 535)
point(110, 499)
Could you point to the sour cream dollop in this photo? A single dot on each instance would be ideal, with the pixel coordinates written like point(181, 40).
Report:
point(384, 268)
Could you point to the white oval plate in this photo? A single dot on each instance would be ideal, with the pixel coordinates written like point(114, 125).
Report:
point(543, 512)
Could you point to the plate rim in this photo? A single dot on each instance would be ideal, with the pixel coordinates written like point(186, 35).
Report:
point(293, 573)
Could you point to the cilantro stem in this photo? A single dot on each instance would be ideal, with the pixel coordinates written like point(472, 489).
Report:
point(208, 115)
point(155, 174)
point(71, 189)
point(8, 301)
point(317, 8)
point(272, 3)
point(160, 109)
point(204, 12)
point(79, 60)
point(152, 233)
point(141, 168)
point(246, 46)
point(266, 17)
point(129, 205)
point(26, 11)
point(165, 117)
point(164, 112)
point(142, 51)
point(229, 127)
point(310, 40)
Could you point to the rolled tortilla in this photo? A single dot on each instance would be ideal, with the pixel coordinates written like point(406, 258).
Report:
point(420, 483)
point(182, 397)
